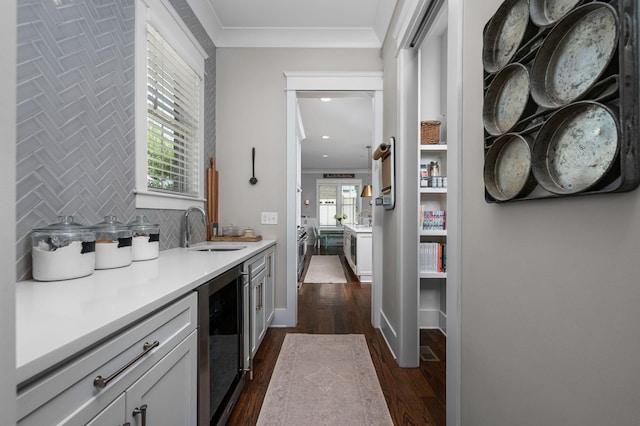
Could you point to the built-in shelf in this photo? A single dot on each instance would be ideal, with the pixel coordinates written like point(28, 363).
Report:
point(433, 233)
point(433, 147)
point(434, 102)
point(432, 242)
point(433, 190)
point(432, 275)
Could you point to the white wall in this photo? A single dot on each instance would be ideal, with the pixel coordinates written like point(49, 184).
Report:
point(433, 91)
point(251, 111)
point(550, 297)
point(8, 213)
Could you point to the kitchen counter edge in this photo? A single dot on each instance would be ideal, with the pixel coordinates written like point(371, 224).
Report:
point(56, 321)
point(359, 229)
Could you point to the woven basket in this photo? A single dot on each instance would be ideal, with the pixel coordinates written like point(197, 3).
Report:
point(429, 132)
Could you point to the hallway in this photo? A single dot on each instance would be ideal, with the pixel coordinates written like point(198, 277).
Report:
point(415, 396)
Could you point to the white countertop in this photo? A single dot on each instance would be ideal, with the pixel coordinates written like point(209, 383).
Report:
point(56, 320)
point(359, 229)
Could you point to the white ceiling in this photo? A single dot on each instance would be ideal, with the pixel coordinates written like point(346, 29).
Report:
point(295, 23)
point(348, 118)
point(348, 121)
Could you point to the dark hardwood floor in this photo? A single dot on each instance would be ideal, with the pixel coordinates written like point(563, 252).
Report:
point(415, 396)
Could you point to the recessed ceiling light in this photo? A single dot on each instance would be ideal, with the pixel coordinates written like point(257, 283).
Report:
point(325, 137)
point(325, 156)
point(325, 99)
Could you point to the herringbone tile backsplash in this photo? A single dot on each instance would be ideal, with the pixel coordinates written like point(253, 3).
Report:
point(75, 116)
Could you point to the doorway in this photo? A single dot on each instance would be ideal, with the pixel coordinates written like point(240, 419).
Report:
point(298, 83)
point(430, 48)
point(336, 129)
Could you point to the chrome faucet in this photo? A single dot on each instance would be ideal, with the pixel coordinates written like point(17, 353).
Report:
point(186, 230)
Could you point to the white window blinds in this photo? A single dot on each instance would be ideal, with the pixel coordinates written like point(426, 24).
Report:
point(173, 100)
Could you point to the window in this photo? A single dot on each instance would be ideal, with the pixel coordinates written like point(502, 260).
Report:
point(338, 198)
point(169, 110)
point(327, 204)
point(173, 99)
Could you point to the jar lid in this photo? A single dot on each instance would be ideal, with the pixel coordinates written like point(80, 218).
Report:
point(64, 231)
point(64, 224)
point(141, 223)
point(110, 224)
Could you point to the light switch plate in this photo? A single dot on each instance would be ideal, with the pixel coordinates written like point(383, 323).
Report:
point(269, 218)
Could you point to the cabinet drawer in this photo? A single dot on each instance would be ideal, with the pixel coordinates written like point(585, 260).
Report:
point(256, 263)
point(68, 395)
point(116, 411)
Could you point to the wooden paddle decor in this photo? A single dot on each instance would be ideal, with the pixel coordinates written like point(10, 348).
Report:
point(212, 198)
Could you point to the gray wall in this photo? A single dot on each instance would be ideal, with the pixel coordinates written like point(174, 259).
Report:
point(251, 112)
point(75, 116)
point(550, 292)
point(399, 276)
point(390, 308)
point(8, 214)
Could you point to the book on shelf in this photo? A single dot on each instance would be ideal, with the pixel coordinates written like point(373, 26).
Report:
point(432, 220)
point(432, 257)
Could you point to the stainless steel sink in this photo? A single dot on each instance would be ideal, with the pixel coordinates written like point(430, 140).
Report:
point(215, 247)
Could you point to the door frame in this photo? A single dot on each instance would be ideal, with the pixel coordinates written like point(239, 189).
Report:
point(334, 82)
point(411, 15)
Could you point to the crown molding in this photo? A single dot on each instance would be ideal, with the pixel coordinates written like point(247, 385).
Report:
point(298, 38)
point(364, 38)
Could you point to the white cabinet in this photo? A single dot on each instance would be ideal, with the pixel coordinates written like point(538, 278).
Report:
point(260, 305)
point(269, 286)
point(114, 414)
point(364, 265)
point(358, 245)
point(166, 394)
point(153, 363)
point(258, 323)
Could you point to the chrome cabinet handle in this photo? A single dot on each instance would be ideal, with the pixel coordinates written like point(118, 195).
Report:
point(269, 266)
point(101, 382)
point(143, 412)
point(259, 305)
point(258, 296)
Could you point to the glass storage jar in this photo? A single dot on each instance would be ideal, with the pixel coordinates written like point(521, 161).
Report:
point(230, 231)
point(63, 250)
point(113, 243)
point(145, 238)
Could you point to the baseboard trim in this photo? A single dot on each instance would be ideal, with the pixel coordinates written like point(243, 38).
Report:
point(443, 322)
point(389, 334)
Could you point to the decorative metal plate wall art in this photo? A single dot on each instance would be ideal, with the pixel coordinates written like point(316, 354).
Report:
point(561, 99)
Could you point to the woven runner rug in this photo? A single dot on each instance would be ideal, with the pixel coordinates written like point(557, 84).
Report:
point(324, 379)
point(325, 269)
